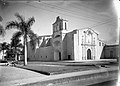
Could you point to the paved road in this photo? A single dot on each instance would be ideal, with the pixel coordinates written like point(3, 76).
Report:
point(8, 73)
point(107, 83)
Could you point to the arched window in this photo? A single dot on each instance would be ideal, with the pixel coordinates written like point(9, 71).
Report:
point(65, 26)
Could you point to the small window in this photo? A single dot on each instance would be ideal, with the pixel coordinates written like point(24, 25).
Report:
point(99, 43)
point(102, 44)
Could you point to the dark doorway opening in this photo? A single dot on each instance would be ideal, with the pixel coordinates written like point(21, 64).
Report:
point(59, 55)
point(69, 57)
point(88, 54)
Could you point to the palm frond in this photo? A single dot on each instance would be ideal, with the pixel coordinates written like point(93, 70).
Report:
point(12, 24)
point(15, 42)
point(20, 17)
point(23, 27)
point(1, 18)
point(20, 45)
point(31, 34)
point(17, 35)
point(33, 44)
point(2, 31)
point(30, 22)
point(33, 39)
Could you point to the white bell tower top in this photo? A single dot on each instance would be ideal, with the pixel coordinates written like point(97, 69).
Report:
point(60, 25)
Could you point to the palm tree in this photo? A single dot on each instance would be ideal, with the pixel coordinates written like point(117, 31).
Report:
point(24, 29)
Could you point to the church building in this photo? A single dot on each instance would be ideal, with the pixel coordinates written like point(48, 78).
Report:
point(77, 45)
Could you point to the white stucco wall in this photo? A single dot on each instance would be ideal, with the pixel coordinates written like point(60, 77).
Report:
point(96, 50)
point(76, 50)
point(70, 45)
point(64, 46)
point(99, 49)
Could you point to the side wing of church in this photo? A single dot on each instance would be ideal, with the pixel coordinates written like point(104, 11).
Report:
point(77, 45)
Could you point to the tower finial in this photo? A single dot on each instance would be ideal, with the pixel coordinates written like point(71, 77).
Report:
point(58, 17)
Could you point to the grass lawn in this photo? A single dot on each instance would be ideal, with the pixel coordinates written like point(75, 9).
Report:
point(58, 69)
point(51, 68)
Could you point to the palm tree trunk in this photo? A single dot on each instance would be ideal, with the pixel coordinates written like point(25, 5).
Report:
point(15, 57)
point(15, 54)
point(3, 55)
point(25, 50)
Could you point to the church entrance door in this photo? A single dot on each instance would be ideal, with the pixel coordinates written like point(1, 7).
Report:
point(59, 55)
point(88, 54)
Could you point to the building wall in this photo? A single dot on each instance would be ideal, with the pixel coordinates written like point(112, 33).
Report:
point(64, 46)
point(60, 39)
point(84, 42)
point(87, 43)
point(76, 49)
point(80, 45)
point(70, 46)
point(100, 46)
point(110, 52)
point(57, 45)
point(42, 54)
point(77, 45)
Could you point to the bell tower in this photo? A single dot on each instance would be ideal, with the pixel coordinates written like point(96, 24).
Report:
point(60, 25)
point(59, 31)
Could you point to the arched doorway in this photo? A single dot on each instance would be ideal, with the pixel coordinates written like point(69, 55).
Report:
point(88, 54)
point(59, 55)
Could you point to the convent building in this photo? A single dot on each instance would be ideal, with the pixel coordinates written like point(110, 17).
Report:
point(77, 45)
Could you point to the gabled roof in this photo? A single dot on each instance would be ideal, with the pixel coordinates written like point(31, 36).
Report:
point(88, 29)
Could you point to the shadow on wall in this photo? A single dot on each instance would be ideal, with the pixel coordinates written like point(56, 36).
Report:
point(110, 52)
point(103, 53)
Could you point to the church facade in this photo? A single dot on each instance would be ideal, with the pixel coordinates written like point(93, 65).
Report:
point(77, 45)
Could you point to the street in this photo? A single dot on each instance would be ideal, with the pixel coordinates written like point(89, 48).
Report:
point(8, 73)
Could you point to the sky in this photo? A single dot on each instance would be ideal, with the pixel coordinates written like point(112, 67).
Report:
point(99, 15)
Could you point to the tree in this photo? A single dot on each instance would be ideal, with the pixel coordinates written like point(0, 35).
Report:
point(4, 46)
point(24, 29)
point(16, 46)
